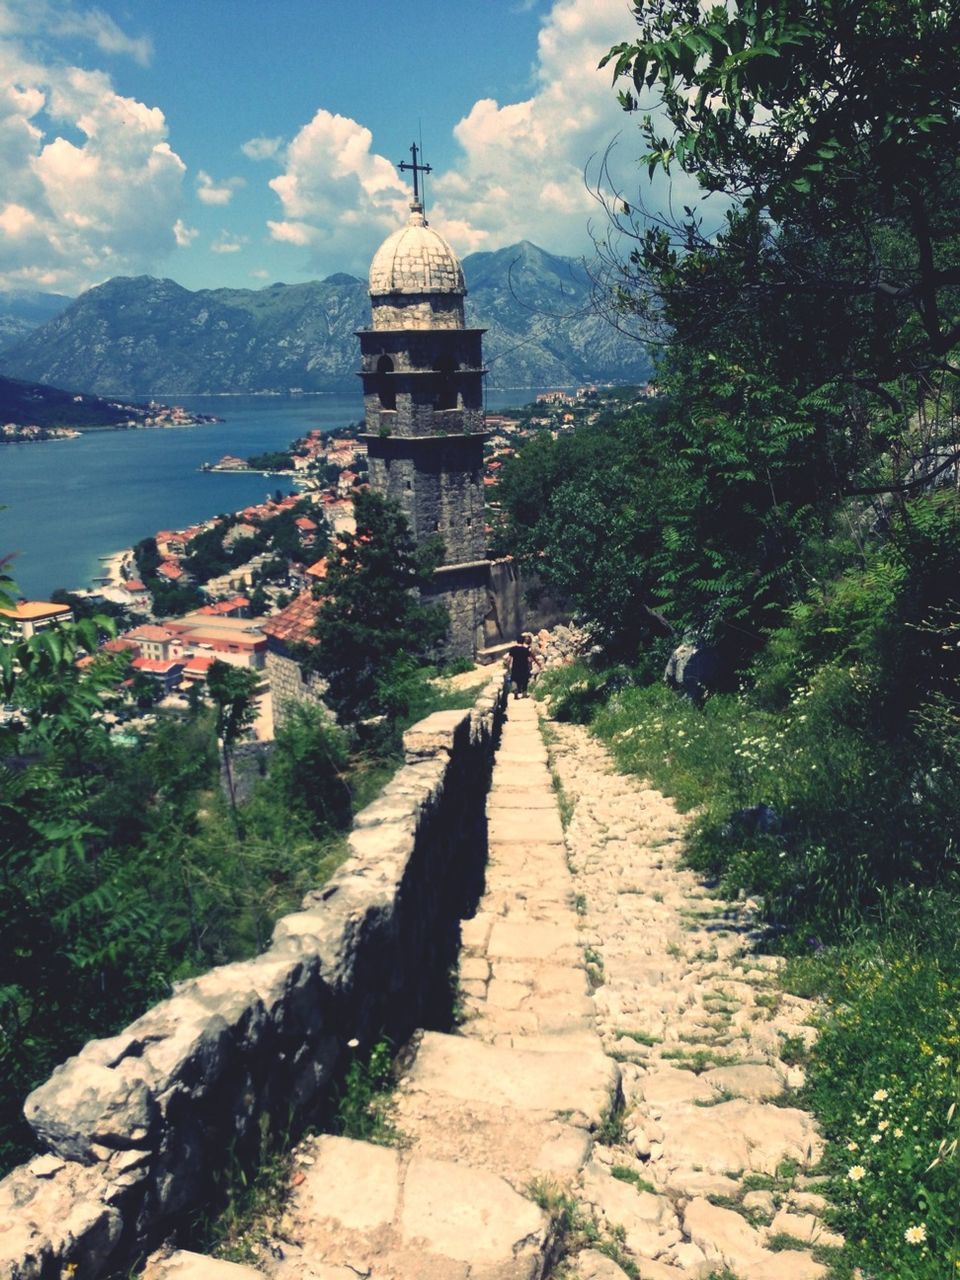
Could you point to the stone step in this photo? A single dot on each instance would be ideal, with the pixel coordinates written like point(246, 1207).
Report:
point(520, 1112)
point(183, 1265)
point(363, 1210)
point(577, 1082)
point(521, 796)
point(525, 826)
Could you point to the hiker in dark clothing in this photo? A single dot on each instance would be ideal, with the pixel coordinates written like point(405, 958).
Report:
point(521, 660)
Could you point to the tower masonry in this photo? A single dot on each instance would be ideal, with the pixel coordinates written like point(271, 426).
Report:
point(422, 373)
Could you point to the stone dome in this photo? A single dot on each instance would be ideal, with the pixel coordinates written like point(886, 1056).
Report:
point(416, 259)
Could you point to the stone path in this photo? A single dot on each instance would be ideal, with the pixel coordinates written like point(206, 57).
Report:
point(617, 1060)
point(714, 1154)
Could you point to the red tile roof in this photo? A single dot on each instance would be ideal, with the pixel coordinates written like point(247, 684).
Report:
point(294, 624)
point(153, 667)
point(199, 662)
point(120, 645)
point(318, 570)
point(150, 632)
point(223, 607)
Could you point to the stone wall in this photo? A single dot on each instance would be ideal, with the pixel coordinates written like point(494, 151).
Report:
point(438, 485)
point(140, 1126)
point(517, 602)
point(290, 684)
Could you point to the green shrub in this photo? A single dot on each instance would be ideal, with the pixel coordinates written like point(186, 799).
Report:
point(363, 1104)
point(884, 1080)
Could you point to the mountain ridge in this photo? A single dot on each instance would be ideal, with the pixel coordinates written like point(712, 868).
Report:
point(149, 336)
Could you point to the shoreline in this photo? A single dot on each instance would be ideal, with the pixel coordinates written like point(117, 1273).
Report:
point(112, 579)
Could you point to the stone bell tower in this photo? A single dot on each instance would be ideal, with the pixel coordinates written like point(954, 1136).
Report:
point(422, 373)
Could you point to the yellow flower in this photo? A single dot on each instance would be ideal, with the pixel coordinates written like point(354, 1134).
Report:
point(853, 1146)
point(856, 1173)
point(915, 1235)
point(881, 1095)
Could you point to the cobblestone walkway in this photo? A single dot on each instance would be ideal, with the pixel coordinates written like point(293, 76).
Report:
point(618, 1056)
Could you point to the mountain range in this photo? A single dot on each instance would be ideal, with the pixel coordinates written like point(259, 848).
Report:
point(141, 336)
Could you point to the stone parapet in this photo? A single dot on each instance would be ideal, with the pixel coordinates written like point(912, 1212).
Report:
point(141, 1127)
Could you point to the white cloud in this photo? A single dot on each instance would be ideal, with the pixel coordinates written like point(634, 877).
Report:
point(183, 234)
point(338, 196)
point(60, 19)
point(261, 148)
point(298, 233)
point(99, 27)
point(210, 191)
point(92, 168)
point(521, 170)
point(259, 273)
point(226, 242)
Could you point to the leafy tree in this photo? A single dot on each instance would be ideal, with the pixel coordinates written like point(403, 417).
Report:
point(308, 773)
point(170, 599)
point(806, 349)
point(84, 607)
point(147, 557)
point(583, 512)
point(836, 122)
point(259, 604)
point(232, 691)
point(373, 623)
point(272, 461)
point(208, 557)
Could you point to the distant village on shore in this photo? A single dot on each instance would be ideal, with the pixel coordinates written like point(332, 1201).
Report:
point(246, 588)
point(151, 415)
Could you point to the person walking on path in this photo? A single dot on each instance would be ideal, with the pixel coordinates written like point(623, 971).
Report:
point(521, 659)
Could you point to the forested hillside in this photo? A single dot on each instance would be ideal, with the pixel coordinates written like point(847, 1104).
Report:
point(789, 507)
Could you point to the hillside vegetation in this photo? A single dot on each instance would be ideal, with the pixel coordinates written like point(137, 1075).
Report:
point(790, 506)
point(34, 404)
point(130, 860)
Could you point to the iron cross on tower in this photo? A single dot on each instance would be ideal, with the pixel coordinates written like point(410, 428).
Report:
point(415, 168)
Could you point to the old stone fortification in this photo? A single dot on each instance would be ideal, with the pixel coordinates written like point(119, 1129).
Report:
point(291, 685)
point(138, 1126)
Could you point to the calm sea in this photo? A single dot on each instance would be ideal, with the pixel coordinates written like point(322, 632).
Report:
point(67, 503)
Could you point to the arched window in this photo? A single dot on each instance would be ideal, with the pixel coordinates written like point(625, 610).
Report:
point(385, 387)
point(446, 393)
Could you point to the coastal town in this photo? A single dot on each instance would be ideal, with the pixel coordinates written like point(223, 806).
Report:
point(13, 433)
point(246, 588)
point(90, 413)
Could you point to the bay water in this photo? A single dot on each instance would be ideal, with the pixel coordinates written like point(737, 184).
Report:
point(66, 504)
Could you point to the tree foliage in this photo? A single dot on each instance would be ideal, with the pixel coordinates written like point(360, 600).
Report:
point(827, 124)
point(373, 630)
point(806, 366)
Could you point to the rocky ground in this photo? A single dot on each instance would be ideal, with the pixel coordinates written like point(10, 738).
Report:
point(709, 1168)
point(616, 1099)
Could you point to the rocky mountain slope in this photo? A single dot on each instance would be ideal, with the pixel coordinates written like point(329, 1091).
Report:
point(24, 310)
point(146, 337)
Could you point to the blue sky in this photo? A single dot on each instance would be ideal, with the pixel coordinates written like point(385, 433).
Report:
point(238, 142)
